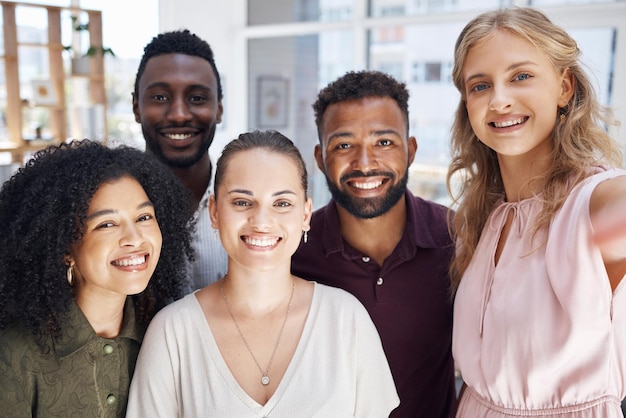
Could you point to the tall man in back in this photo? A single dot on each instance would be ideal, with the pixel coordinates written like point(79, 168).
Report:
point(178, 102)
point(378, 241)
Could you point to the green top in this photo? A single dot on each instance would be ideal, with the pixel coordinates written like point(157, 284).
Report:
point(80, 375)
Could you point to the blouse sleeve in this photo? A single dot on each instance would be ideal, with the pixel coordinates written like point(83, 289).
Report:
point(153, 387)
point(376, 391)
point(16, 393)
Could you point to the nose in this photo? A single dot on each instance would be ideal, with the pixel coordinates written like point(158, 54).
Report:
point(260, 219)
point(179, 110)
point(501, 100)
point(364, 159)
point(131, 235)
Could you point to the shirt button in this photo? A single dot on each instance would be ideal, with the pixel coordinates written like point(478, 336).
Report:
point(108, 349)
point(111, 399)
point(379, 281)
point(366, 259)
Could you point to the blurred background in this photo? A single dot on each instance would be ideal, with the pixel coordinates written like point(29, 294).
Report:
point(273, 57)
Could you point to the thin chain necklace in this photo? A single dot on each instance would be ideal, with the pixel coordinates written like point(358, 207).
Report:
point(265, 379)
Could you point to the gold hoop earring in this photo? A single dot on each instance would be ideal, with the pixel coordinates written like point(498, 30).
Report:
point(70, 274)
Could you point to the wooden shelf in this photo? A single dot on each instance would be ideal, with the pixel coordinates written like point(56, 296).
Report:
point(59, 121)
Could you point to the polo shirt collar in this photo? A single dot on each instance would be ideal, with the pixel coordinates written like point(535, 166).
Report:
point(418, 233)
point(76, 331)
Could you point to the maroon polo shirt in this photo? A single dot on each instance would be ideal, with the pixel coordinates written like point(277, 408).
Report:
point(407, 297)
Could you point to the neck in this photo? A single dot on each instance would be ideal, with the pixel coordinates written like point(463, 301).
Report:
point(195, 178)
point(105, 315)
point(521, 178)
point(256, 294)
point(376, 237)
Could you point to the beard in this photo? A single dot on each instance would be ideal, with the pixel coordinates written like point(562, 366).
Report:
point(369, 207)
point(154, 147)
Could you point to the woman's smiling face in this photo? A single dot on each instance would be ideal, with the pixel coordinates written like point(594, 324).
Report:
point(121, 244)
point(261, 209)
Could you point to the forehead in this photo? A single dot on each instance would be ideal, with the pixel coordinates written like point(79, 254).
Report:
point(369, 114)
point(110, 192)
point(501, 48)
point(261, 166)
point(176, 69)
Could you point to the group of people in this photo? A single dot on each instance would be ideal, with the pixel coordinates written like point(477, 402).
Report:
point(135, 285)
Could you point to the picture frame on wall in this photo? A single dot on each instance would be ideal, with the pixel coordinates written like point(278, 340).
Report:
point(272, 102)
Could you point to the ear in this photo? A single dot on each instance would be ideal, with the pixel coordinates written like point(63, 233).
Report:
point(568, 83)
point(412, 148)
point(220, 112)
point(136, 109)
point(319, 158)
point(308, 211)
point(213, 212)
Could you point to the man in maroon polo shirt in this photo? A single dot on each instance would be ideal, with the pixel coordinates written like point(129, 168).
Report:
point(378, 241)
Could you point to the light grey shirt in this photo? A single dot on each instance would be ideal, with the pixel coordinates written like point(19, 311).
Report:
point(211, 261)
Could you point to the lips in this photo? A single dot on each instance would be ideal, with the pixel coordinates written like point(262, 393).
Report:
point(134, 261)
point(261, 242)
point(369, 185)
point(178, 137)
point(509, 123)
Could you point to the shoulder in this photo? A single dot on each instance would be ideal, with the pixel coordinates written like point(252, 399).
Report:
point(18, 344)
point(429, 222)
point(426, 208)
point(176, 313)
point(334, 298)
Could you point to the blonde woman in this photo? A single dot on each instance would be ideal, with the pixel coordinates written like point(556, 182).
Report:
point(540, 310)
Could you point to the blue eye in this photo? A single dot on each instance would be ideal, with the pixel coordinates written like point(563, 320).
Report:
point(479, 87)
point(522, 76)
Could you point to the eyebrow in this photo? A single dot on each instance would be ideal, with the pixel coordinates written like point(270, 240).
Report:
point(250, 193)
point(105, 212)
point(163, 84)
point(376, 133)
point(509, 68)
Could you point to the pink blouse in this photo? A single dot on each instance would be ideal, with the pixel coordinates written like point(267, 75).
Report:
point(541, 332)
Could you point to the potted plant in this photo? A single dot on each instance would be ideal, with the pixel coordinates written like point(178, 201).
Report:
point(79, 60)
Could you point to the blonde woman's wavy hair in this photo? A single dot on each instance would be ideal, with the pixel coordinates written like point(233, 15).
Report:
point(580, 138)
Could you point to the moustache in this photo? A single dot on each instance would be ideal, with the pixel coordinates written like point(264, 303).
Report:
point(360, 175)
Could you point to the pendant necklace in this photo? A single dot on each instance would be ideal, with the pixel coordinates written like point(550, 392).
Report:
point(265, 379)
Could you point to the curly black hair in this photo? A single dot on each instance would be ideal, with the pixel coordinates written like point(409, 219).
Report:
point(42, 213)
point(178, 42)
point(355, 85)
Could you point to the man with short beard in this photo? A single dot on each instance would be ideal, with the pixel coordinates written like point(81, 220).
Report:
point(178, 102)
point(378, 241)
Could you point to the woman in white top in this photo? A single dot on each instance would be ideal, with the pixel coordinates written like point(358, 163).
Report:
point(262, 342)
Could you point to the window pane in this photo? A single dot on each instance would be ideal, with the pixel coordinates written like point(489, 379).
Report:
point(31, 24)
point(387, 8)
point(541, 3)
point(262, 12)
point(598, 56)
point(280, 96)
point(426, 69)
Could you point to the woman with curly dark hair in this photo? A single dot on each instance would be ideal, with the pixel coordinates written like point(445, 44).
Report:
point(93, 241)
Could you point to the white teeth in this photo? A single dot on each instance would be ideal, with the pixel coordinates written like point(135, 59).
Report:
point(178, 137)
point(135, 261)
point(261, 242)
point(367, 186)
point(508, 123)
